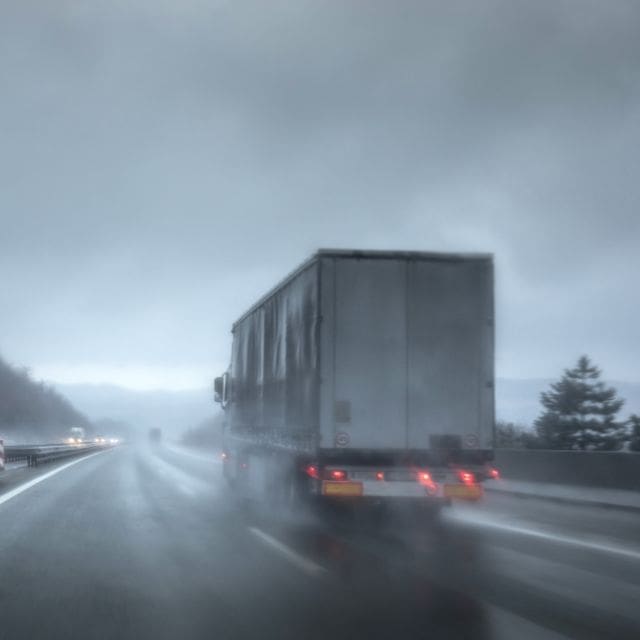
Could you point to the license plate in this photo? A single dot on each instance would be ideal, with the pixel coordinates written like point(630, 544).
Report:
point(399, 476)
point(463, 491)
point(341, 488)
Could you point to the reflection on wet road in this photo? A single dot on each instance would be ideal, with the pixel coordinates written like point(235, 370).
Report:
point(145, 542)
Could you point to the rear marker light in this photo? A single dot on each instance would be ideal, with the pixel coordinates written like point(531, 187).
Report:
point(494, 473)
point(337, 474)
point(379, 475)
point(424, 478)
point(467, 477)
point(312, 471)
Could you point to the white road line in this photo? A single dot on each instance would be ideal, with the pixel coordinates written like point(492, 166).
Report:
point(183, 481)
point(212, 457)
point(506, 626)
point(10, 466)
point(5, 497)
point(551, 537)
point(302, 563)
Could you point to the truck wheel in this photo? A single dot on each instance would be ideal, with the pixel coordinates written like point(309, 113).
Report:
point(231, 482)
point(294, 501)
point(428, 515)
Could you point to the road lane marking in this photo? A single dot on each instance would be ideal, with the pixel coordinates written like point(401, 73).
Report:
point(5, 497)
point(11, 466)
point(506, 625)
point(182, 480)
point(302, 563)
point(212, 458)
point(544, 535)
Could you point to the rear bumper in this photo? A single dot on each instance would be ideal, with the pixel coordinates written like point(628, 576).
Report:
point(374, 489)
point(391, 491)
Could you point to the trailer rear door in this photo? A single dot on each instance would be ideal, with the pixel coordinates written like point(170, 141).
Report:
point(407, 352)
point(450, 354)
point(370, 373)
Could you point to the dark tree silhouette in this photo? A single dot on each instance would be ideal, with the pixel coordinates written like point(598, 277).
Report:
point(27, 405)
point(634, 435)
point(207, 434)
point(580, 412)
point(514, 436)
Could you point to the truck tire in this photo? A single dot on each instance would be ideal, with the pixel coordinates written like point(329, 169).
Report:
point(294, 500)
point(428, 515)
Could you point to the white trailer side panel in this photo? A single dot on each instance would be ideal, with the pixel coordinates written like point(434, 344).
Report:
point(327, 433)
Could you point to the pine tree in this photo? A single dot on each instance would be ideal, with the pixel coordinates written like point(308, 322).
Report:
point(634, 436)
point(514, 436)
point(580, 412)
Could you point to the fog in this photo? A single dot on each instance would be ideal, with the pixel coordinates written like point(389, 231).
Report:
point(163, 164)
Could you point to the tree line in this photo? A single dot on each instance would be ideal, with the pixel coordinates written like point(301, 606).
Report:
point(32, 406)
point(207, 433)
point(579, 412)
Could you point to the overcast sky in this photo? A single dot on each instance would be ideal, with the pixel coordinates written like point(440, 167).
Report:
point(162, 163)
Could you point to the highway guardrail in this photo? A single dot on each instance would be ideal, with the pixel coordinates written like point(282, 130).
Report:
point(597, 469)
point(34, 454)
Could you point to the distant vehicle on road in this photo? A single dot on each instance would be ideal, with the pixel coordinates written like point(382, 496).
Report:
point(155, 435)
point(76, 435)
point(364, 376)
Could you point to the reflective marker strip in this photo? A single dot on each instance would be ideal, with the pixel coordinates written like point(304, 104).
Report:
point(343, 488)
point(5, 497)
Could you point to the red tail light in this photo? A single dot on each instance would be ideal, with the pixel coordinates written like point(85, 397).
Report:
point(494, 473)
point(425, 479)
point(337, 474)
point(467, 477)
point(379, 475)
point(312, 471)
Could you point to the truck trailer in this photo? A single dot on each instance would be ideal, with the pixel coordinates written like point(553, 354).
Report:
point(364, 376)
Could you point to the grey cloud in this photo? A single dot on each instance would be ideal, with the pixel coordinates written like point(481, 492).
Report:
point(164, 164)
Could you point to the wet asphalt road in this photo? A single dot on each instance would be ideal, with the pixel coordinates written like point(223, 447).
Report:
point(140, 542)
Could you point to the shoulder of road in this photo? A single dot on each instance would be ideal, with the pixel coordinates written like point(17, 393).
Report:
point(587, 496)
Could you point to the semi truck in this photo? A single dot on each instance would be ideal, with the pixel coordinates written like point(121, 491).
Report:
point(364, 376)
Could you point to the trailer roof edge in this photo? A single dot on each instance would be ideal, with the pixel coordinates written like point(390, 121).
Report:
point(360, 254)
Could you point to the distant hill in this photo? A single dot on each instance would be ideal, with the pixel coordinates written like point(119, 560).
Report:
point(519, 400)
point(172, 411)
point(32, 411)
